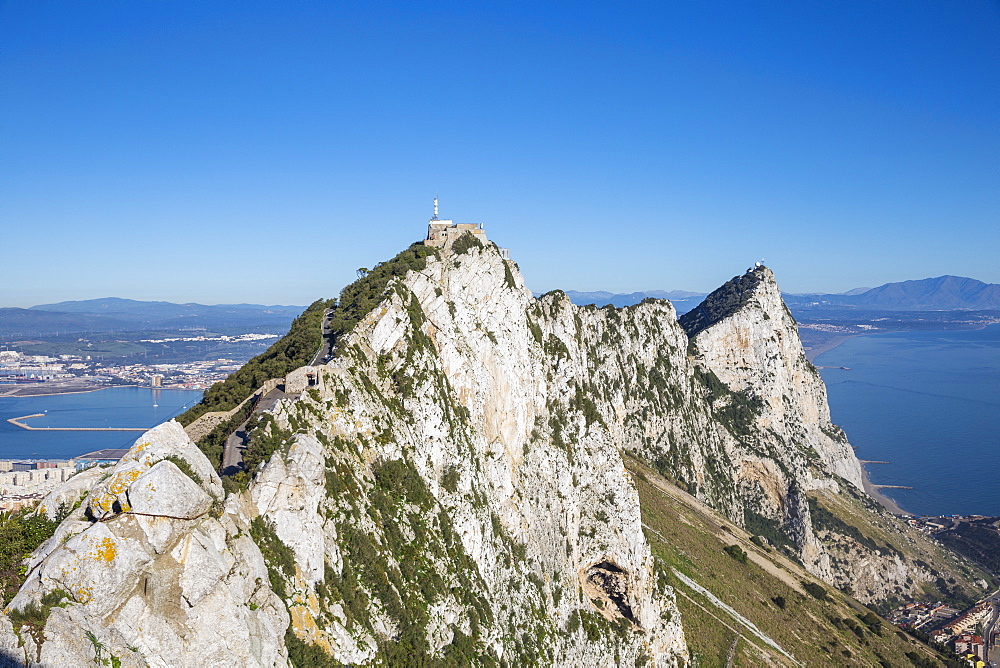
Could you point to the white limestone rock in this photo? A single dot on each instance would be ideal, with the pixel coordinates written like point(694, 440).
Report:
point(165, 441)
point(756, 347)
point(289, 491)
point(159, 580)
point(166, 491)
point(466, 448)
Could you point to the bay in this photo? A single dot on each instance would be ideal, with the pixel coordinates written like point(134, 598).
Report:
point(928, 403)
point(113, 407)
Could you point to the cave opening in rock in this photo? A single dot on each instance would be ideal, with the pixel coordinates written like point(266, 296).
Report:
point(612, 581)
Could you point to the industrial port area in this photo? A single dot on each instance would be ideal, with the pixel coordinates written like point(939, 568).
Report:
point(23, 373)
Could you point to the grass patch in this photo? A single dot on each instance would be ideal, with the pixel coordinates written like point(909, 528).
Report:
point(184, 466)
point(686, 539)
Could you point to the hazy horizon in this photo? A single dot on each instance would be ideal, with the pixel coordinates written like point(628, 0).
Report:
point(566, 289)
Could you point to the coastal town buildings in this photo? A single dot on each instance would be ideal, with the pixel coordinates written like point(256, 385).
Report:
point(970, 644)
point(922, 615)
point(25, 487)
point(22, 373)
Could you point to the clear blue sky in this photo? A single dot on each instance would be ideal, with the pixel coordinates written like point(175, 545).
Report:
point(260, 152)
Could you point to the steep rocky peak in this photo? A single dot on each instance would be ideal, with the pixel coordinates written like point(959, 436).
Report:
point(735, 294)
point(745, 334)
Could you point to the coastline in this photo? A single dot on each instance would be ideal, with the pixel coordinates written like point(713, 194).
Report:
point(869, 487)
point(14, 394)
point(883, 500)
point(827, 346)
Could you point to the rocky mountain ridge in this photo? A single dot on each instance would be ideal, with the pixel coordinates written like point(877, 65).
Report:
point(452, 489)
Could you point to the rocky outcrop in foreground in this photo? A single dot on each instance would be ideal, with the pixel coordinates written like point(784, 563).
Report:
point(153, 568)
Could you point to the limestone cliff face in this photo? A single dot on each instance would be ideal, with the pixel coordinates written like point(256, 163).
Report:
point(744, 333)
point(453, 486)
point(452, 445)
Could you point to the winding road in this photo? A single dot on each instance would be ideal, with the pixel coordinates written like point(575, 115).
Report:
point(326, 343)
point(232, 452)
point(990, 628)
point(236, 443)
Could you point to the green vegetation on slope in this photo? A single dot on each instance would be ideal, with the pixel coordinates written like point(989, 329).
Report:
point(766, 589)
point(302, 342)
point(20, 533)
point(278, 557)
point(359, 298)
point(737, 411)
point(845, 523)
point(294, 349)
point(465, 242)
point(401, 550)
point(979, 540)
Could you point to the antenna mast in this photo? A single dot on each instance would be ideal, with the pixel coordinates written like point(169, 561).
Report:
point(435, 208)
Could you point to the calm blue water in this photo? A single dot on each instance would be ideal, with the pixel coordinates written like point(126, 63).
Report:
point(929, 403)
point(113, 407)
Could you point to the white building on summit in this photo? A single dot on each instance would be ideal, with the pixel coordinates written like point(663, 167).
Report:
point(440, 231)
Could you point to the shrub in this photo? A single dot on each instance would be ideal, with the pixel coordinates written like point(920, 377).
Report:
point(279, 557)
point(35, 614)
point(466, 242)
point(736, 552)
point(815, 591)
point(450, 479)
point(770, 529)
point(871, 620)
point(20, 533)
point(184, 466)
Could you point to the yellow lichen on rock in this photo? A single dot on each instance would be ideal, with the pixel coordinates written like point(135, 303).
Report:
point(123, 480)
point(105, 550)
point(104, 502)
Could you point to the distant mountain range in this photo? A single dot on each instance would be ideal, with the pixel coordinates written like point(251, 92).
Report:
point(113, 314)
point(945, 293)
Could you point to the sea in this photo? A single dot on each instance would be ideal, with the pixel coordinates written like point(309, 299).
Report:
point(929, 404)
point(112, 407)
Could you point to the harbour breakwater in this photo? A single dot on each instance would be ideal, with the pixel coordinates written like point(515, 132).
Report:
point(19, 422)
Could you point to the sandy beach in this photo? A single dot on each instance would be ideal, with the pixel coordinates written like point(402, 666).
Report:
point(884, 500)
